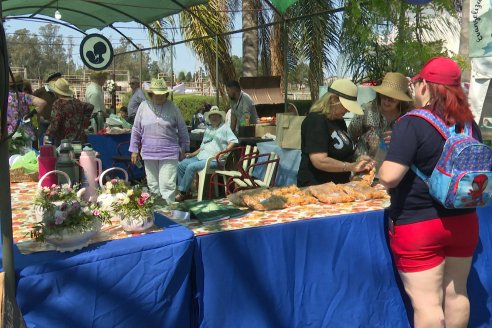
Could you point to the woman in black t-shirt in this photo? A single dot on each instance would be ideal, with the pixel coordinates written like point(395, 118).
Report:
point(326, 148)
point(432, 246)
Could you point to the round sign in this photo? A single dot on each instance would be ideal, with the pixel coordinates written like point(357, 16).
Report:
point(96, 52)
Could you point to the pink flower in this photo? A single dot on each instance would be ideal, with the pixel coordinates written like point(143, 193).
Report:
point(96, 212)
point(145, 195)
point(113, 181)
point(141, 201)
point(59, 219)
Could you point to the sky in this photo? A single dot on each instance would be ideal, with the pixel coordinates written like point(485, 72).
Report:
point(184, 60)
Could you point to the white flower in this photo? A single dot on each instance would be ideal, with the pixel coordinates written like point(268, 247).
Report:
point(129, 192)
point(126, 200)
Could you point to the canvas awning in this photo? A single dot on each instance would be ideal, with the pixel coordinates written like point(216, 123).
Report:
point(264, 90)
point(88, 14)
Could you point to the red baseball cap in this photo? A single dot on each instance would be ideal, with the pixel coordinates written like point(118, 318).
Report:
point(440, 70)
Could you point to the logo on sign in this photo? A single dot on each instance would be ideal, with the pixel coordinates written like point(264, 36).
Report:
point(96, 52)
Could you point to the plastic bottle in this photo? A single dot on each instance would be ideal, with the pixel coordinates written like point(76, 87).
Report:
point(91, 168)
point(47, 163)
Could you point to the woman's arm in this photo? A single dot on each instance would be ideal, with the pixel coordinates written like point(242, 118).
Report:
point(323, 162)
point(391, 173)
point(39, 103)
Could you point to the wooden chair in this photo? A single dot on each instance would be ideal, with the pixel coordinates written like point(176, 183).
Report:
point(221, 178)
point(221, 158)
point(264, 165)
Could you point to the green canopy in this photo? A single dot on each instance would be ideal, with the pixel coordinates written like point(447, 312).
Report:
point(282, 5)
point(87, 14)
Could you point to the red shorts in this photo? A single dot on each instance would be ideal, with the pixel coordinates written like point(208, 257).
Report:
point(424, 245)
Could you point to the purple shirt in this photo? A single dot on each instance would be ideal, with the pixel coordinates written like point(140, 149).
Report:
point(159, 131)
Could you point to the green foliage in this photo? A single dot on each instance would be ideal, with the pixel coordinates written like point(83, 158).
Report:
point(189, 104)
point(238, 65)
point(393, 37)
point(181, 76)
point(188, 77)
point(131, 61)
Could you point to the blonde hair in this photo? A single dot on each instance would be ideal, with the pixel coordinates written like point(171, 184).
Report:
point(323, 104)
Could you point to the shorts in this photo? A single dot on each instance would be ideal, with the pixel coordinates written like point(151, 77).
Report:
point(424, 245)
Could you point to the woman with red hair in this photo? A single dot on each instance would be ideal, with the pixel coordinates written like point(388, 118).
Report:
point(432, 245)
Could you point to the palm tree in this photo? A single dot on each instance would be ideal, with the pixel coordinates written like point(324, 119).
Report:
point(204, 21)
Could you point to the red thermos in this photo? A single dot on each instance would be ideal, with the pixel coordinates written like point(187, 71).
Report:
point(46, 163)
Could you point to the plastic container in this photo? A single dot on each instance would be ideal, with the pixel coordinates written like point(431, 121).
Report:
point(47, 163)
point(91, 168)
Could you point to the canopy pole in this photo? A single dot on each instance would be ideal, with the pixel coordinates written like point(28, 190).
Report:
point(216, 69)
point(285, 39)
point(141, 67)
point(172, 71)
point(11, 315)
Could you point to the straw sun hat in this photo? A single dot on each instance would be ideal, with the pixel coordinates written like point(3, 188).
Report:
point(158, 87)
point(394, 85)
point(61, 87)
point(215, 111)
point(346, 91)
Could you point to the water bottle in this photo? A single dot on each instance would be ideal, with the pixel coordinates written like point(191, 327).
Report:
point(47, 163)
point(91, 168)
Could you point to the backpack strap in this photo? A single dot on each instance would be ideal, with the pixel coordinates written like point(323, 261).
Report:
point(439, 125)
point(434, 120)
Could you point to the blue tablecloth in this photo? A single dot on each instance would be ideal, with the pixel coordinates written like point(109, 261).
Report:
point(288, 165)
point(106, 145)
point(327, 272)
point(142, 281)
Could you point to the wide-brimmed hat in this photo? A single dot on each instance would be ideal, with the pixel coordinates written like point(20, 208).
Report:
point(18, 80)
point(61, 87)
point(346, 91)
point(215, 111)
point(394, 85)
point(53, 76)
point(440, 70)
point(159, 87)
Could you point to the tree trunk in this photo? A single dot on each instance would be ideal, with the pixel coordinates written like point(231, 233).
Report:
point(276, 54)
point(250, 39)
point(464, 49)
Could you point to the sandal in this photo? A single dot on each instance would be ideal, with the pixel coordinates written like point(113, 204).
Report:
point(181, 197)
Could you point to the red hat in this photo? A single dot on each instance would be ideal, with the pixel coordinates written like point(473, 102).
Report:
point(440, 70)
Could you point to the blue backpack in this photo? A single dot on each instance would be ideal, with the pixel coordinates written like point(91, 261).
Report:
point(461, 176)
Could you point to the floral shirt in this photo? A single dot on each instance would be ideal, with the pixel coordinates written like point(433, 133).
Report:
point(366, 130)
point(69, 119)
point(19, 105)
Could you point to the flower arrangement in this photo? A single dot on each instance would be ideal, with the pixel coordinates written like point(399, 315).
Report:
point(46, 196)
point(137, 202)
point(110, 87)
point(115, 186)
point(72, 217)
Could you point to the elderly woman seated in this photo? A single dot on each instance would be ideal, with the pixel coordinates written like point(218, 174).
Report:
point(217, 137)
